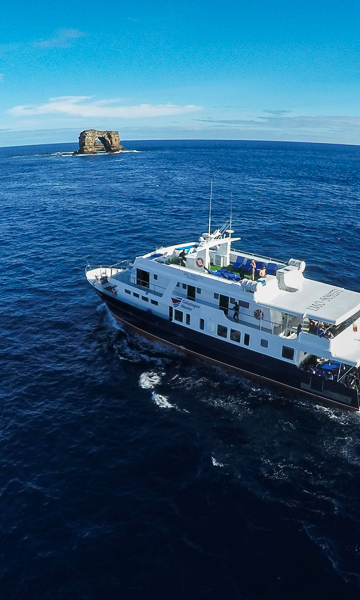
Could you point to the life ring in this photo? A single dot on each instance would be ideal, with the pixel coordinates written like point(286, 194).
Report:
point(258, 314)
point(199, 262)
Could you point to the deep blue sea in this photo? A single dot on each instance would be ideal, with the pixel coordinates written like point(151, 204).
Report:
point(127, 470)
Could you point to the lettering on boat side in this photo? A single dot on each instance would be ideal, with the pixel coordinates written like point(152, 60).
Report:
point(323, 299)
point(192, 276)
point(188, 305)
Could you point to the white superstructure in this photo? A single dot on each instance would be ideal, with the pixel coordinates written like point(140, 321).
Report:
point(205, 293)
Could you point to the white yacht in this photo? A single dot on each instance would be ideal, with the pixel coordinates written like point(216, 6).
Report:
point(210, 300)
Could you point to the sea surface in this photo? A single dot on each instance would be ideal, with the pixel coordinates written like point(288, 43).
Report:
point(127, 470)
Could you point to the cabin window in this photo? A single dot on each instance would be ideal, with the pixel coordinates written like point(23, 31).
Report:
point(184, 286)
point(155, 276)
point(246, 339)
point(216, 296)
point(187, 319)
point(142, 278)
point(136, 295)
point(178, 284)
point(202, 324)
point(154, 302)
point(127, 292)
point(232, 300)
point(222, 331)
point(244, 304)
point(191, 295)
point(145, 298)
point(264, 343)
point(287, 353)
point(198, 290)
point(178, 316)
point(235, 335)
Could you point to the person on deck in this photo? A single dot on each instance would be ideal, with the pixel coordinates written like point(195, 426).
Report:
point(236, 309)
point(321, 330)
point(182, 258)
point(252, 269)
point(262, 272)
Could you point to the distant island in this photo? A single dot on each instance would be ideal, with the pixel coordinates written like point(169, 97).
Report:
point(92, 141)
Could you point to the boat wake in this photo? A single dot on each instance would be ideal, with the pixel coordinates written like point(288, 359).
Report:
point(108, 318)
point(162, 401)
point(149, 380)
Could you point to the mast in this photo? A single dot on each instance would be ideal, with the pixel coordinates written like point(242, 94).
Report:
point(211, 187)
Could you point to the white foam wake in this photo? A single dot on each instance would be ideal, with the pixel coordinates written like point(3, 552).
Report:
point(161, 401)
point(109, 318)
point(149, 380)
point(216, 463)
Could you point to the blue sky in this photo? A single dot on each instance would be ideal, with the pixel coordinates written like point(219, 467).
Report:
point(263, 70)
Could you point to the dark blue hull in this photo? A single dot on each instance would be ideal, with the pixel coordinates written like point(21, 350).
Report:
point(237, 358)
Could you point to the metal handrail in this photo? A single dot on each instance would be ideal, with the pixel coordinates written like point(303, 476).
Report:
point(255, 254)
point(125, 263)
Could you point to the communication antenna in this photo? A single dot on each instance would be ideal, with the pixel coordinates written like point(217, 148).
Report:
point(231, 208)
point(211, 187)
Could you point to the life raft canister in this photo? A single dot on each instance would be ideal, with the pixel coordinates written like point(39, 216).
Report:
point(258, 314)
point(199, 262)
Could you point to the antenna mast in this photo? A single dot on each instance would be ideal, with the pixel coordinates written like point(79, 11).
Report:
point(211, 187)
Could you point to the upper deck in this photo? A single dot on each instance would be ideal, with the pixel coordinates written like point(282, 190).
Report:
point(284, 287)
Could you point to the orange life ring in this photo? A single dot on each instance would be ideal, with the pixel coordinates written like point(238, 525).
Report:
point(258, 314)
point(199, 262)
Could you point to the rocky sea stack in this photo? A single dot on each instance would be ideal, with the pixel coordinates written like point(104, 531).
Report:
point(92, 141)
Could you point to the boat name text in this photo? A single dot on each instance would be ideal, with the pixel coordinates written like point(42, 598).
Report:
point(192, 276)
point(326, 298)
point(187, 305)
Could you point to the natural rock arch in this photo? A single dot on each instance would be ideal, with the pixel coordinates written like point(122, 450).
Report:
point(88, 141)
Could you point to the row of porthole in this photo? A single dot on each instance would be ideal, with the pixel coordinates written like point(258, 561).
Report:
point(144, 298)
point(235, 336)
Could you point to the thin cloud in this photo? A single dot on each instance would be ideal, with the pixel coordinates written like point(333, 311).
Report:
point(80, 106)
point(62, 38)
point(277, 113)
point(289, 123)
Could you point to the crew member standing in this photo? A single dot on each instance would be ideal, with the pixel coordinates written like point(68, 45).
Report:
point(252, 269)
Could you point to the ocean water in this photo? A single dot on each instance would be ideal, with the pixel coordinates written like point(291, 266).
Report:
point(127, 470)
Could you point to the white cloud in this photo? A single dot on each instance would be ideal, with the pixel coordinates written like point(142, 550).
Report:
point(80, 106)
point(61, 39)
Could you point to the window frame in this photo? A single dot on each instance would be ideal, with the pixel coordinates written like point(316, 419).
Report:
point(177, 314)
point(225, 330)
point(232, 331)
point(288, 350)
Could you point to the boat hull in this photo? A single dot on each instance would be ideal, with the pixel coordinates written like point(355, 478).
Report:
point(236, 358)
